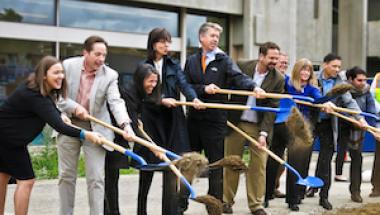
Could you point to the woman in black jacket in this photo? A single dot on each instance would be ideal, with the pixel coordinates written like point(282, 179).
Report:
point(22, 117)
point(165, 122)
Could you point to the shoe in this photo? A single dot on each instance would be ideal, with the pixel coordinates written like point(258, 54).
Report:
point(356, 197)
point(259, 212)
point(311, 192)
point(293, 207)
point(324, 202)
point(374, 194)
point(278, 194)
point(340, 178)
point(227, 208)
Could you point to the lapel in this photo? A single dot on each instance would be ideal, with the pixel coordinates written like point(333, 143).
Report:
point(98, 77)
point(268, 80)
point(75, 78)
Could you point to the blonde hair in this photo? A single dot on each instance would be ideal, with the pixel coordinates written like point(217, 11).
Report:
point(301, 64)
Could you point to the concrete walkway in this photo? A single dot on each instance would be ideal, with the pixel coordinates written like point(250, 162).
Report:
point(44, 199)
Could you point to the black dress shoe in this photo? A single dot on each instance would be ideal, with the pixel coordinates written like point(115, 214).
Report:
point(324, 202)
point(293, 207)
point(311, 192)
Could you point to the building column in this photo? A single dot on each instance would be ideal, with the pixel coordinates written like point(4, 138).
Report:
point(248, 28)
point(352, 32)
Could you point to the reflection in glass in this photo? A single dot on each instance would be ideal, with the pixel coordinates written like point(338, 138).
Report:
point(83, 14)
point(28, 11)
point(17, 60)
point(193, 22)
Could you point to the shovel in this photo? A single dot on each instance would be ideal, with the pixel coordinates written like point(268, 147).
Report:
point(265, 95)
point(309, 181)
point(282, 112)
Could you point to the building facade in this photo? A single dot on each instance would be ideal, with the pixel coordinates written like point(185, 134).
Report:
point(30, 29)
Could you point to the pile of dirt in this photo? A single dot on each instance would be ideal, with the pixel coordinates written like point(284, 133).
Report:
point(367, 209)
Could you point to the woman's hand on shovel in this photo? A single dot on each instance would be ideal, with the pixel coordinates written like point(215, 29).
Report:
point(93, 137)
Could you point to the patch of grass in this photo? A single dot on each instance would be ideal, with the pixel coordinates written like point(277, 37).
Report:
point(45, 160)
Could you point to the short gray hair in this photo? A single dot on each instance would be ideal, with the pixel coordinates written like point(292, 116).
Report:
point(207, 25)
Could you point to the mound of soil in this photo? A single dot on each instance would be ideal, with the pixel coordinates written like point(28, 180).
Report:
point(367, 209)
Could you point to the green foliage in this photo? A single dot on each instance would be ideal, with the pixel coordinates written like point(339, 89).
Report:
point(45, 161)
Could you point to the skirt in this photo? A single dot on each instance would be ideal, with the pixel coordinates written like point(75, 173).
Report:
point(15, 161)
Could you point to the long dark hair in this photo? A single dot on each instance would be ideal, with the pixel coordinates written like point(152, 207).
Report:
point(156, 35)
point(36, 80)
point(143, 71)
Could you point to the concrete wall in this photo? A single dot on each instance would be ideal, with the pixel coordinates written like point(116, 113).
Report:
point(314, 29)
point(221, 6)
point(373, 38)
point(352, 32)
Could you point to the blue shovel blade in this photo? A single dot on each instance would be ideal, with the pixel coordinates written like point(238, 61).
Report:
point(311, 181)
point(285, 107)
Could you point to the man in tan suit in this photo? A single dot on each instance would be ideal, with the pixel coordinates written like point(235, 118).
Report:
point(91, 86)
point(259, 125)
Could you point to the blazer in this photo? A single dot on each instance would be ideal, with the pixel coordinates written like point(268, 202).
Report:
point(222, 72)
point(104, 90)
point(273, 83)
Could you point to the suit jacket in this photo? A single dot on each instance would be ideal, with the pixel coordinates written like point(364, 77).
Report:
point(273, 83)
point(222, 72)
point(104, 90)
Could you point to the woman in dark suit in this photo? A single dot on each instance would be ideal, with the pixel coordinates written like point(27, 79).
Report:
point(143, 88)
point(165, 122)
point(22, 117)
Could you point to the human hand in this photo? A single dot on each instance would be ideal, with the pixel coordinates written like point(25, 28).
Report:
point(328, 107)
point(211, 89)
point(128, 134)
point(198, 104)
point(169, 102)
point(259, 92)
point(81, 112)
point(262, 142)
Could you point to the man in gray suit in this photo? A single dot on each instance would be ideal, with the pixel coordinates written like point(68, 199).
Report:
point(91, 86)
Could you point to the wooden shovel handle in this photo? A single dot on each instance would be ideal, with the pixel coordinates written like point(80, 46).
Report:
point(249, 138)
point(216, 105)
point(251, 93)
point(121, 132)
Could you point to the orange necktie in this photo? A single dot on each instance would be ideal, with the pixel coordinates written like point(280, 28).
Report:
point(204, 63)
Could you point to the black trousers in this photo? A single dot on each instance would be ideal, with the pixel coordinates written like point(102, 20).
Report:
point(279, 143)
point(209, 136)
point(170, 196)
point(111, 191)
point(326, 139)
point(355, 151)
point(299, 159)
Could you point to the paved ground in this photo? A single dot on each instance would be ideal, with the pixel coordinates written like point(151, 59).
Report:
point(44, 200)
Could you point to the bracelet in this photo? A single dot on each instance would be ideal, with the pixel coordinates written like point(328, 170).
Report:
point(82, 135)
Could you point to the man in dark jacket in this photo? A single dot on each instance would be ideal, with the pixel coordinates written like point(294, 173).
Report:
point(351, 137)
point(326, 127)
point(259, 125)
point(207, 70)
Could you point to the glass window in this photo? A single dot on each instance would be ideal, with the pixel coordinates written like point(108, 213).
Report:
point(83, 14)
point(123, 60)
point(17, 59)
point(28, 11)
point(193, 22)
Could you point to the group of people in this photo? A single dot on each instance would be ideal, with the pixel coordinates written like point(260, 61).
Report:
point(64, 95)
